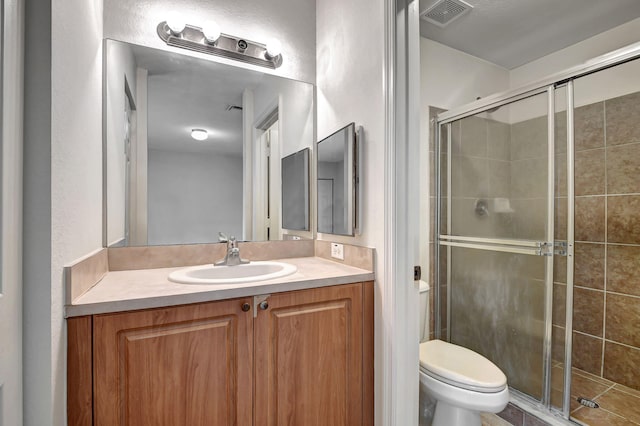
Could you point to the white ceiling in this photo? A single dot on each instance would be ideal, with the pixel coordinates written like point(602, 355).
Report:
point(511, 33)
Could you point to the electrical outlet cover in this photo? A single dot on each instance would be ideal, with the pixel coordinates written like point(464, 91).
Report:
point(337, 251)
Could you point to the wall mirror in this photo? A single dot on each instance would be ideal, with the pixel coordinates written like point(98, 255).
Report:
point(295, 191)
point(338, 182)
point(193, 147)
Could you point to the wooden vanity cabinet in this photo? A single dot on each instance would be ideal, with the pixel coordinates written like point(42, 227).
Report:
point(302, 358)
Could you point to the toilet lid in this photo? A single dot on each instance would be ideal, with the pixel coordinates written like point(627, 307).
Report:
point(460, 367)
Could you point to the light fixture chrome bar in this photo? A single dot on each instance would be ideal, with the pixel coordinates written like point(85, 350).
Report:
point(487, 247)
point(568, 338)
point(502, 241)
point(608, 60)
point(228, 46)
point(550, 236)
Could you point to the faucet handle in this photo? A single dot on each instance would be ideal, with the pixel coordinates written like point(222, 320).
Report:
point(222, 237)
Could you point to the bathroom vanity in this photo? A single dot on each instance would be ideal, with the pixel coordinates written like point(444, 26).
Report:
point(294, 350)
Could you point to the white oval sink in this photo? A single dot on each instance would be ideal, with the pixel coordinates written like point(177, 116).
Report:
point(254, 271)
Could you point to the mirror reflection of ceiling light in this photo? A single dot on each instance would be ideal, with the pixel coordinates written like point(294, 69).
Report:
point(199, 134)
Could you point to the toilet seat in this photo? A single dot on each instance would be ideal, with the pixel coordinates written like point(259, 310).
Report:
point(460, 367)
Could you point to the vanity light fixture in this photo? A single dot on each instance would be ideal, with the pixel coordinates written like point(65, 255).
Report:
point(274, 48)
point(175, 25)
point(210, 40)
point(211, 32)
point(199, 134)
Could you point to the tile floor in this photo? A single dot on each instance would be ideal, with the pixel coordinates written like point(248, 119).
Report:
point(619, 405)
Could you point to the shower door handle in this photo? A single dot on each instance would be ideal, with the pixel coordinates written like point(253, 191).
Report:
point(528, 247)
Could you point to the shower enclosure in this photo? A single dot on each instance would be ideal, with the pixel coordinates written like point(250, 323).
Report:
point(537, 210)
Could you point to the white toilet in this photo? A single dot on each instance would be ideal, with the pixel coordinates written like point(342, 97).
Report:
point(463, 383)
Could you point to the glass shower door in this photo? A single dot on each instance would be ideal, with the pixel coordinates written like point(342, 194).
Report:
point(496, 238)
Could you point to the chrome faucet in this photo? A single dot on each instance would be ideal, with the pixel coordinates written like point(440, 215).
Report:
point(232, 257)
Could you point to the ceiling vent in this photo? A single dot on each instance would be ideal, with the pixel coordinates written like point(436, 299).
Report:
point(443, 12)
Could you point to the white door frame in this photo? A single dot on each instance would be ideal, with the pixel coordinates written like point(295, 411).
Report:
point(400, 304)
point(12, 53)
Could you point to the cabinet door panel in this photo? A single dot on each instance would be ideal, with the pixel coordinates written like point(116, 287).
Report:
point(309, 358)
point(188, 365)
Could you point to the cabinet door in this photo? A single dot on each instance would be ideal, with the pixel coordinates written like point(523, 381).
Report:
point(308, 358)
point(188, 365)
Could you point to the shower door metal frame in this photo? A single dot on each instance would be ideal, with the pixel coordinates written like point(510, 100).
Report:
point(549, 85)
point(516, 246)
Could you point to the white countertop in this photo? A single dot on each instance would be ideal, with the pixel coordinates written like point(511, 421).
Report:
point(150, 288)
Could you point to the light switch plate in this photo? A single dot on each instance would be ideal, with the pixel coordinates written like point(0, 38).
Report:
point(337, 251)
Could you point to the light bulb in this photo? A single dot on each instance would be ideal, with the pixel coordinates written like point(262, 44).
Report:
point(199, 134)
point(211, 32)
point(176, 25)
point(274, 48)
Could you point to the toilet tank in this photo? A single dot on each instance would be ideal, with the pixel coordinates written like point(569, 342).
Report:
point(424, 311)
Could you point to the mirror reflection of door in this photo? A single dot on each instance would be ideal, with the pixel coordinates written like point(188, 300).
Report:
point(127, 160)
point(325, 203)
point(268, 218)
point(272, 199)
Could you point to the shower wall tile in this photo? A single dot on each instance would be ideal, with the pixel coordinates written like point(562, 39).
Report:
point(499, 178)
point(470, 177)
point(529, 178)
point(560, 132)
point(498, 140)
point(473, 136)
point(621, 364)
point(589, 219)
point(529, 218)
point(587, 353)
point(623, 319)
point(559, 302)
point(560, 218)
point(623, 269)
point(588, 311)
point(560, 269)
point(589, 265)
point(623, 168)
point(561, 175)
point(529, 139)
point(589, 126)
point(622, 116)
point(589, 172)
point(557, 342)
point(623, 221)
point(466, 222)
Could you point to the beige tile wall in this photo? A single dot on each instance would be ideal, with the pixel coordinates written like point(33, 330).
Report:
point(606, 315)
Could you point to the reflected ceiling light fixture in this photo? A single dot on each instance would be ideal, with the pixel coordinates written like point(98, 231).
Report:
point(210, 40)
point(199, 134)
